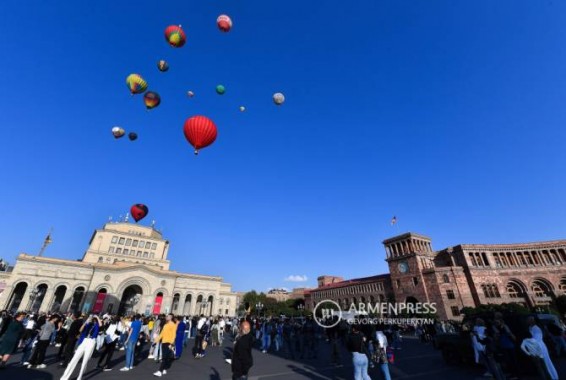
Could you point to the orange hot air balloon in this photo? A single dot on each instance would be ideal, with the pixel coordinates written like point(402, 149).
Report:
point(175, 36)
point(200, 132)
point(151, 99)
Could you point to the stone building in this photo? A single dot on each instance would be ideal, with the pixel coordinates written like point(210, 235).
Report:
point(125, 269)
point(280, 295)
point(464, 275)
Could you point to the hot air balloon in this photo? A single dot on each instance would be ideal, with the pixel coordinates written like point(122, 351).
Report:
point(200, 132)
point(136, 84)
point(133, 136)
point(190, 94)
point(242, 108)
point(118, 132)
point(162, 66)
point(175, 36)
point(139, 211)
point(278, 98)
point(224, 23)
point(220, 90)
point(151, 99)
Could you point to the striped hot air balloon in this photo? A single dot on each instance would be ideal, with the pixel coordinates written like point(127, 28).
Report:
point(200, 132)
point(136, 84)
point(151, 99)
point(175, 36)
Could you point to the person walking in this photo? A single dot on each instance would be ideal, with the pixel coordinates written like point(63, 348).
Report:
point(179, 340)
point(44, 339)
point(167, 339)
point(537, 335)
point(72, 337)
point(131, 341)
point(89, 332)
point(110, 340)
point(242, 360)
point(356, 345)
point(381, 354)
point(11, 337)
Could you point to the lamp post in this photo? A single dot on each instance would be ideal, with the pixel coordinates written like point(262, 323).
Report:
point(301, 308)
point(259, 307)
point(34, 295)
point(203, 305)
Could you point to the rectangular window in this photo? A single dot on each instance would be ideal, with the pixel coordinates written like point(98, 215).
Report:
point(154, 245)
point(226, 311)
point(139, 253)
point(455, 311)
point(398, 282)
point(450, 294)
point(415, 281)
point(111, 250)
point(146, 254)
point(141, 244)
point(148, 245)
point(114, 239)
point(152, 255)
point(125, 252)
point(128, 242)
point(118, 250)
point(135, 243)
point(122, 241)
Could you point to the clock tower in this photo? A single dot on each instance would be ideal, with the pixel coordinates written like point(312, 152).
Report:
point(408, 255)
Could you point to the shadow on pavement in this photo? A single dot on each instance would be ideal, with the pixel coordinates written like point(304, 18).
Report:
point(14, 372)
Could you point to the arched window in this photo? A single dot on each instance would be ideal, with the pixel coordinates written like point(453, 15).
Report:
point(562, 285)
point(445, 279)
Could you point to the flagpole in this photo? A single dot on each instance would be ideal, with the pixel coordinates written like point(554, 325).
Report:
point(46, 242)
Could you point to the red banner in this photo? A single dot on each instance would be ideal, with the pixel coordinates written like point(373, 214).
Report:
point(99, 303)
point(157, 305)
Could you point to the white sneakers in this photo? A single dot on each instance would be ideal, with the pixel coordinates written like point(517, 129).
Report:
point(158, 374)
point(41, 366)
point(229, 361)
point(164, 372)
point(125, 369)
point(150, 357)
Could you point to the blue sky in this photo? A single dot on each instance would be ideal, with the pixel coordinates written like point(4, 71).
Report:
point(448, 114)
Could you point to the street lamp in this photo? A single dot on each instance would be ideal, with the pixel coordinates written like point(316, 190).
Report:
point(259, 306)
point(301, 308)
point(34, 295)
point(203, 305)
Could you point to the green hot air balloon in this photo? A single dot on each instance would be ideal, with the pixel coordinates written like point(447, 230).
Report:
point(220, 90)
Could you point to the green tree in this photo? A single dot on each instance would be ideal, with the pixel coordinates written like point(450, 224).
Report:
point(560, 304)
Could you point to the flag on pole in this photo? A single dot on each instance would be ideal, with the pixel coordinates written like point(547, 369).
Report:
point(393, 220)
point(47, 240)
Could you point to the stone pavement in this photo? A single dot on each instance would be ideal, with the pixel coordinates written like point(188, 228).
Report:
point(416, 361)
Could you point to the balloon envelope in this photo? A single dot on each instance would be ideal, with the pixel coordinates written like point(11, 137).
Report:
point(118, 132)
point(224, 23)
point(136, 84)
point(175, 36)
point(242, 108)
point(139, 211)
point(200, 132)
point(151, 99)
point(220, 90)
point(278, 98)
point(190, 94)
point(162, 66)
point(133, 136)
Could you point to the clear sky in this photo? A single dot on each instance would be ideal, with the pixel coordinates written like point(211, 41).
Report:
point(450, 115)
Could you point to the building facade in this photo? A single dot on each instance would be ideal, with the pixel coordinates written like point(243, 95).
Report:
point(466, 275)
point(124, 270)
point(280, 295)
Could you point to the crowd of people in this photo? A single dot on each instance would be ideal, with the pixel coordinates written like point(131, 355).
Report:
point(496, 347)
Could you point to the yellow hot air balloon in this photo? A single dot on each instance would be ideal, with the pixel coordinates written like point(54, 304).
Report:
point(136, 84)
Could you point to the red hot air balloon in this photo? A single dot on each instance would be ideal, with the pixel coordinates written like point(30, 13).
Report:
point(139, 212)
point(175, 36)
point(200, 132)
point(224, 23)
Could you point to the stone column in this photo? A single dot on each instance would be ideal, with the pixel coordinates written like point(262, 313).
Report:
point(47, 300)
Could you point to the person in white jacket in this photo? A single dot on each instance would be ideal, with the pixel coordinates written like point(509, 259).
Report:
point(381, 351)
point(537, 335)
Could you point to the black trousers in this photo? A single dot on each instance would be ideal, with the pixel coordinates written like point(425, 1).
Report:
point(69, 350)
point(167, 356)
point(39, 354)
point(198, 343)
point(107, 354)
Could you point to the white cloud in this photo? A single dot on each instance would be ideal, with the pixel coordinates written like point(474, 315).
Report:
point(296, 278)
